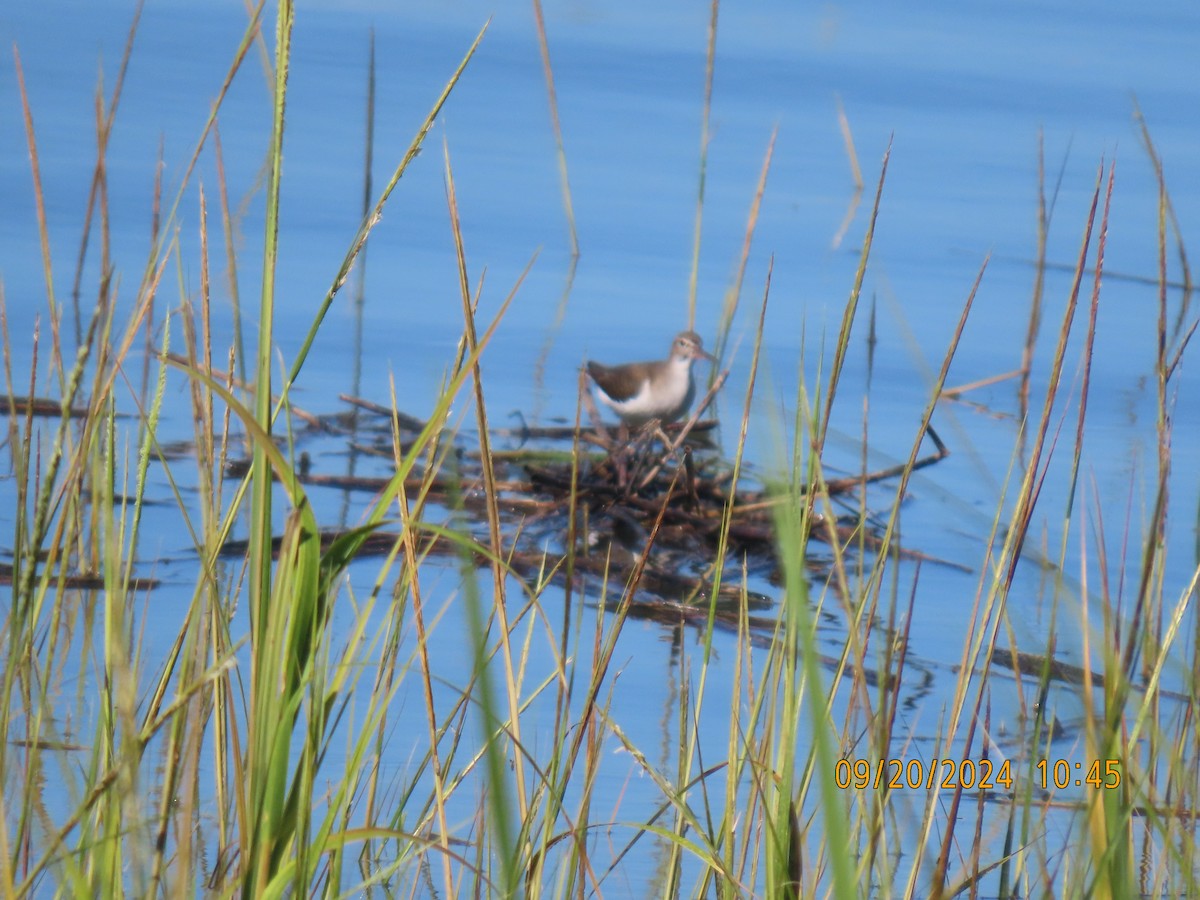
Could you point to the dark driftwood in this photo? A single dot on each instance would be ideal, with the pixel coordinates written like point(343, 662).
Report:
point(80, 582)
point(37, 406)
point(651, 509)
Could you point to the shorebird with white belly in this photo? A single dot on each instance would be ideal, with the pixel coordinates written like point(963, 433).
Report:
point(662, 389)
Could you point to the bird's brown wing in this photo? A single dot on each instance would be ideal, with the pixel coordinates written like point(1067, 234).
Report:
point(602, 375)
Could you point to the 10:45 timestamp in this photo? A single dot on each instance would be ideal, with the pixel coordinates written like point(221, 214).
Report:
point(1060, 774)
point(968, 774)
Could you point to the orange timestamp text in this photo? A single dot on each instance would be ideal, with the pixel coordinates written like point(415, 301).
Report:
point(971, 774)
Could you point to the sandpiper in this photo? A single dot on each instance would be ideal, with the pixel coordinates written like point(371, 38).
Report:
point(662, 389)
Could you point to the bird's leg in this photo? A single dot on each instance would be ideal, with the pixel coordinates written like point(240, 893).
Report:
point(689, 477)
point(661, 435)
point(670, 451)
point(642, 448)
point(623, 445)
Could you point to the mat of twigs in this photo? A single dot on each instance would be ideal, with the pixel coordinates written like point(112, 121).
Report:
point(650, 506)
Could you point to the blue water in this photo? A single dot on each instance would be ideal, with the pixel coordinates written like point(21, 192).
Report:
point(960, 94)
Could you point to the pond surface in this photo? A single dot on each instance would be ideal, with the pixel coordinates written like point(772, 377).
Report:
point(961, 95)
